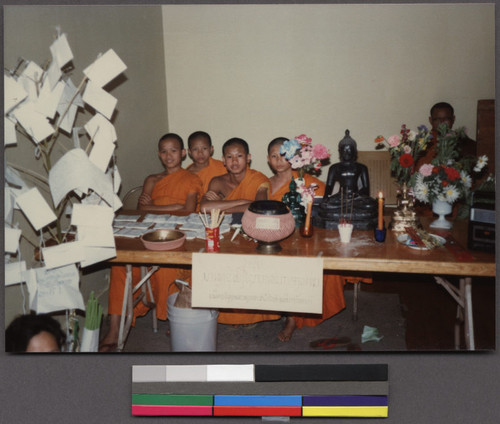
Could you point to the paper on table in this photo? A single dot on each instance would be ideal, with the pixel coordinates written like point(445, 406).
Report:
point(14, 273)
point(61, 51)
point(14, 93)
point(12, 236)
point(92, 215)
point(99, 99)
point(36, 208)
point(129, 218)
point(62, 254)
point(169, 226)
point(101, 130)
point(130, 232)
point(94, 255)
point(150, 217)
point(35, 124)
point(57, 289)
point(105, 68)
point(9, 132)
point(131, 224)
point(273, 283)
point(96, 236)
point(75, 171)
point(101, 155)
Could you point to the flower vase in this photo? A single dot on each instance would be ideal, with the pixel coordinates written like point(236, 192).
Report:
point(442, 209)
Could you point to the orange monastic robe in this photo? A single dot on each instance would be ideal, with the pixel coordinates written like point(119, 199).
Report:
point(333, 284)
point(170, 190)
point(247, 189)
point(214, 169)
point(249, 186)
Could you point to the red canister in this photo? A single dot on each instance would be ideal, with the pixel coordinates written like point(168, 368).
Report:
point(212, 239)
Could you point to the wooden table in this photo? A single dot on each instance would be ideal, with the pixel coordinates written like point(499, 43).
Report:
point(362, 254)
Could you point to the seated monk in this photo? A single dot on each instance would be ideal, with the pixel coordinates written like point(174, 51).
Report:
point(174, 189)
point(333, 284)
point(233, 192)
point(200, 150)
point(352, 201)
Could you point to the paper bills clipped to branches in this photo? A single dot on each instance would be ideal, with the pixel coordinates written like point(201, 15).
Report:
point(41, 102)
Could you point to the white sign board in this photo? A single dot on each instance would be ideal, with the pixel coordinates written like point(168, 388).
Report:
point(272, 283)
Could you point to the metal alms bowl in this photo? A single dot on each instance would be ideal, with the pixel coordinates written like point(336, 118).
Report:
point(163, 239)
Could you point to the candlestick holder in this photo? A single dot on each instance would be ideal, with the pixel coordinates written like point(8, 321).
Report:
point(380, 234)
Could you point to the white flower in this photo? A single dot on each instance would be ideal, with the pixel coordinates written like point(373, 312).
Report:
point(466, 179)
point(421, 192)
point(481, 163)
point(451, 194)
point(439, 195)
point(411, 135)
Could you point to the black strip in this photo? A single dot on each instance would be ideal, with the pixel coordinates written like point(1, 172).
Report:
point(380, 388)
point(351, 372)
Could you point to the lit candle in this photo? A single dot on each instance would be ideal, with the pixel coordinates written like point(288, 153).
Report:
point(380, 211)
point(307, 230)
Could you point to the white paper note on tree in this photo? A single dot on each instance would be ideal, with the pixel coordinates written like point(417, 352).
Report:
point(36, 209)
point(57, 289)
point(105, 68)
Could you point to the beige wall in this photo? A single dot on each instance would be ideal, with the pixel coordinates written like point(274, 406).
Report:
point(135, 33)
point(262, 71)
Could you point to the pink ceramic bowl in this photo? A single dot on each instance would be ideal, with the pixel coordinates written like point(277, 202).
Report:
point(163, 239)
point(268, 221)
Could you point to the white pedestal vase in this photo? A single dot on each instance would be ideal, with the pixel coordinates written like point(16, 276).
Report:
point(442, 209)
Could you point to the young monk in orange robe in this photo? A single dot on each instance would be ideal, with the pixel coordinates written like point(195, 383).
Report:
point(233, 192)
point(333, 284)
point(175, 189)
point(200, 150)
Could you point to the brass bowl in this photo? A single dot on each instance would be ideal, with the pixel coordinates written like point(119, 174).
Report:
point(163, 239)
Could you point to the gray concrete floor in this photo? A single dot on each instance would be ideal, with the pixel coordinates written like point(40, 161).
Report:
point(379, 310)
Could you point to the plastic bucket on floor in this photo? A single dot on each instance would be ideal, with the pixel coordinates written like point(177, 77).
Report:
point(192, 330)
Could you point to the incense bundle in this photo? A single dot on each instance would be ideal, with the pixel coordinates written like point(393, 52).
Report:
point(216, 218)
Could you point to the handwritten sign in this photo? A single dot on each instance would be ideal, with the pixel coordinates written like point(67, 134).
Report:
point(273, 283)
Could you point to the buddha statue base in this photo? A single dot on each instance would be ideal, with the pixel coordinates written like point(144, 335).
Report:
point(330, 219)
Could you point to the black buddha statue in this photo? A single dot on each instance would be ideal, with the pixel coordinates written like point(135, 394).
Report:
point(352, 201)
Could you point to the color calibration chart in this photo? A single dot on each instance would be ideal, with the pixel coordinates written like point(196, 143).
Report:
point(328, 390)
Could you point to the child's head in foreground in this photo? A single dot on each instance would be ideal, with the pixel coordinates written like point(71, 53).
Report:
point(34, 333)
